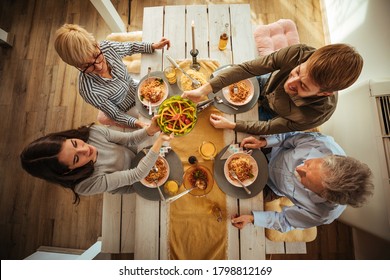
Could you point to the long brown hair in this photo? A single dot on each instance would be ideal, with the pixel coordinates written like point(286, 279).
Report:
point(40, 159)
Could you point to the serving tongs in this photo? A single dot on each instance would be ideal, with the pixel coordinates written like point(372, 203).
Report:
point(195, 83)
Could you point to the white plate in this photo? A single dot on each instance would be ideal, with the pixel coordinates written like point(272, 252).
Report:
point(255, 170)
point(161, 181)
point(144, 101)
point(226, 94)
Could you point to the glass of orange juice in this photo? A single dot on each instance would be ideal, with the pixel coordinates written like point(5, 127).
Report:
point(170, 74)
point(207, 150)
point(171, 187)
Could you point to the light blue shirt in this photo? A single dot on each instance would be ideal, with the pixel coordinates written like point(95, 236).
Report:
point(290, 150)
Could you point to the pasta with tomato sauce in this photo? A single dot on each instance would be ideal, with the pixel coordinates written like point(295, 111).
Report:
point(242, 167)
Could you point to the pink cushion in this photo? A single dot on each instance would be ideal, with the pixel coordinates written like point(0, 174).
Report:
point(276, 35)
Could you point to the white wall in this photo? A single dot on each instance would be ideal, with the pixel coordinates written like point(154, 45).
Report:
point(365, 25)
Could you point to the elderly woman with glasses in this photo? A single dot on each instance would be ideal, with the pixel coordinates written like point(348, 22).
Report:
point(104, 81)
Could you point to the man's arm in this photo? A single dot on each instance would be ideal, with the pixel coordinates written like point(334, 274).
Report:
point(273, 126)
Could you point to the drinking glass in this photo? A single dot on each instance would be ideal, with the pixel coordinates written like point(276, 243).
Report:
point(207, 150)
point(170, 74)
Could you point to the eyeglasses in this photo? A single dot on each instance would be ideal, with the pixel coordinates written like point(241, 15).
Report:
point(90, 65)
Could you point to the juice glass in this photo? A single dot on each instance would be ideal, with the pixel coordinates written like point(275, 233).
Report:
point(170, 74)
point(207, 150)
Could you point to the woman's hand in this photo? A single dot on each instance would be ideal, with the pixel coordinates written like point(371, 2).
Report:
point(160, 45)
point(140, 124)
point(221, 122)
point(198, 94)
point(165, 137)
point(241, 221)
point(162, 137)
point(153, 127)
point(253, 143)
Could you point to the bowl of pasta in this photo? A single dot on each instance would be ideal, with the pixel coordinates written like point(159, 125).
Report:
point(152, 91)
point(185, 83)
point(154, 179)
point(242, 96)
point(244, 165)
point(177, 115)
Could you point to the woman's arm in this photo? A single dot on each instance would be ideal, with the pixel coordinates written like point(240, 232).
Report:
point(111, 181)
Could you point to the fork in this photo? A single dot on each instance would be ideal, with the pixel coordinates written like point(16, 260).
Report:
point(155, 170)
point(234, 175)
point(220, 101)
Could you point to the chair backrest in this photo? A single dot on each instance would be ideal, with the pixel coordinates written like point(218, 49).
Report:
point(274, 36)
point(132, 62)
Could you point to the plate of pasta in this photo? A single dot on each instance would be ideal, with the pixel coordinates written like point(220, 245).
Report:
point(242, 96)
point(152, 91)
point(244, 165)
point(177, 115)
point(160, 177)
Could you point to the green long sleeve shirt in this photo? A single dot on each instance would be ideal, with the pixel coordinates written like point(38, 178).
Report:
point(292, 113)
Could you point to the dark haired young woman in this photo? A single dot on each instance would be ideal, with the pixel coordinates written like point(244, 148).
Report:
point(92, 159)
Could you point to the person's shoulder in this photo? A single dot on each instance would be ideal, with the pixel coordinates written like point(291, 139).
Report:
point(109, 46)
point(97, 130)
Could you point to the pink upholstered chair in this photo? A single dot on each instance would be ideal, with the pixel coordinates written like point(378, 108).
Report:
point(274, 36)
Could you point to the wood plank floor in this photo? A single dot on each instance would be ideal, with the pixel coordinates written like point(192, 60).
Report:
point(38, 95)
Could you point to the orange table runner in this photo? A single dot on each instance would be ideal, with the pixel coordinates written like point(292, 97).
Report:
point(193, 230)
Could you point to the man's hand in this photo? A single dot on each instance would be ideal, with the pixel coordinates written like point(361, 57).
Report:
point(198, 94)
point(253, 143)
point(221, 122)
point(241, 221)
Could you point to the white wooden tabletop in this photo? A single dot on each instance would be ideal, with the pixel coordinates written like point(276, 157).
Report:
point(174, 23)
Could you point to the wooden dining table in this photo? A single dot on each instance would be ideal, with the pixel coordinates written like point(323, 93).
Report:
point(174, 22)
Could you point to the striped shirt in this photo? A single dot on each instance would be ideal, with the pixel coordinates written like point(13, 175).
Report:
point(113, 96)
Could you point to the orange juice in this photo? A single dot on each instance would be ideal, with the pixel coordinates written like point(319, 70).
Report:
point(171, 187)
point(207, 150)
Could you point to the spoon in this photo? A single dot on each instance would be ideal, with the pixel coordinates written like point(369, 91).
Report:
point(234, 175)
point(155, 170)
point(199, 184)
point(220, 101)
point(195, 83)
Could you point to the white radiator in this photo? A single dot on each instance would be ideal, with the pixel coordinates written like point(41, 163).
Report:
point(361, 125)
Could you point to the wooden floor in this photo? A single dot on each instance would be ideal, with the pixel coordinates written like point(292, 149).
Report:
point(38, 95)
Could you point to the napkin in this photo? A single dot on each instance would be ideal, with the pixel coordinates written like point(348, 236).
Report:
point(163, 150)
point(232, 149)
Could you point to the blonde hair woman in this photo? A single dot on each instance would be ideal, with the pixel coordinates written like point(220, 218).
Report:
point(103, 81)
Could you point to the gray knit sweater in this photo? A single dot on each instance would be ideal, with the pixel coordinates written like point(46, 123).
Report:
point(112, 171)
